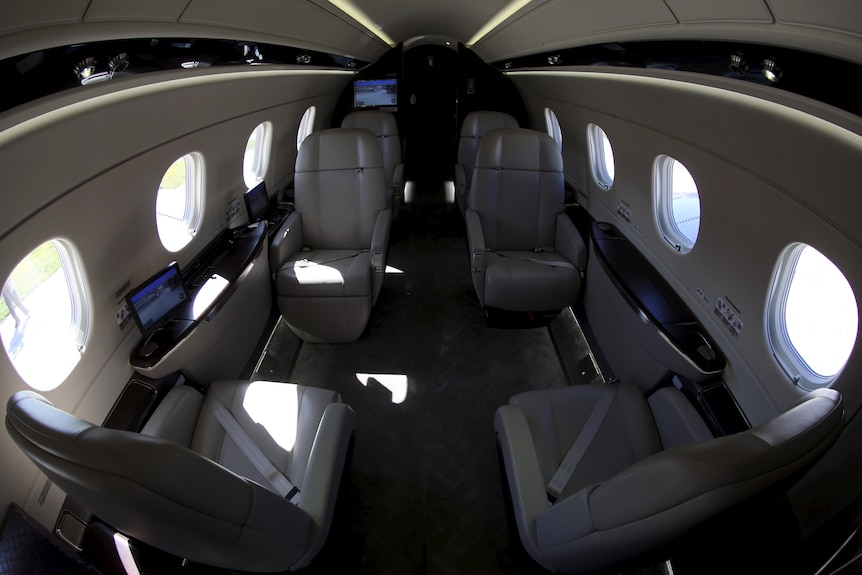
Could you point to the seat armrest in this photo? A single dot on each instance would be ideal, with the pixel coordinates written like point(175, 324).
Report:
point(286, 241)
point(398, 185)
point(380, 240)
point(461, 187)
point(526, 484)
point(569, 243)
point(176, 416)
point(476, 245)
point(319, 489)
point(475, 241)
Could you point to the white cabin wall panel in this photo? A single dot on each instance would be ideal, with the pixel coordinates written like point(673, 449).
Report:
point(300, 20)
point(102, 201)
point(26, 15)
point(839, 15)
point(758, 172)
point(566, 20)
point(118, 10)
point(688, 11)
point(140, 120)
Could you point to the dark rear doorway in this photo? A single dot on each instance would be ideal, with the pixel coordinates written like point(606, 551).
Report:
point(430, 108)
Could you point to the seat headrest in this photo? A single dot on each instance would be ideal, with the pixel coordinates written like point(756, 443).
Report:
point(377, 122)
point(519, 149)
point(477, 124)
point(339, 149)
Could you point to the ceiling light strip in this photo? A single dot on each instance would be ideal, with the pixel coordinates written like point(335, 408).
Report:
point(496, 20)
point(351, 10)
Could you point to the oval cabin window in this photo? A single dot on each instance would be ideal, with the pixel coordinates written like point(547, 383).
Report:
point(44, 315)
point(553, 126)
point(677, 203)
point(255, 160)
point(601, 156)
point(813, 316)
point(306, 126)
point(178, 202)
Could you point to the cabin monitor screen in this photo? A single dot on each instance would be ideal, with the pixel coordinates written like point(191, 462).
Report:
point(154, 302)
point(375, 93)
point(256, 202)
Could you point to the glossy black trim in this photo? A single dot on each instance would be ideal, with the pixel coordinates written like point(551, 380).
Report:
point(823, 78)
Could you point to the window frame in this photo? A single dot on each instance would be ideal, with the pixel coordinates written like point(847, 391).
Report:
point(596, 138)
point(663, 203)
point(778, 337)
point(80, 312)
point(552, 124)
point(261, 155)
point(306, 125)
point(193, 207)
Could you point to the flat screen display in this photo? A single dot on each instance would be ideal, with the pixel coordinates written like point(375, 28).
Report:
point(256, 202)
point(154, 302)
point(375, 93)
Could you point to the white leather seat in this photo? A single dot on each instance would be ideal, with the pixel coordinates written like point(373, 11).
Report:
point(385, 127)
point(526, 254)
point(329, 256)
point(473, 129)
point(627, 497)
point(184, 486)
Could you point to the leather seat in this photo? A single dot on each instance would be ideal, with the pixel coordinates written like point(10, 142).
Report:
point(385, 127)
point(627, 497)
point(328, 258)
point(473, 129)
point(526, 254)
point(185, 486)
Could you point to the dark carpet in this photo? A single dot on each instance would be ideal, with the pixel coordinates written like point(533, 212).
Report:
point(424, 493)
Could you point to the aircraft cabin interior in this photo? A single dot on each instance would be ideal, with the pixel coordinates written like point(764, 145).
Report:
point(378, 287)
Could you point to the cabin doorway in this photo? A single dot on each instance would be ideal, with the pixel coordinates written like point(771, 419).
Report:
point(430, 73)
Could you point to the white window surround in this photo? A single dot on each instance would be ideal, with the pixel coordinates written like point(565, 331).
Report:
point(179, 202)
point(52, 315)
point(812, 316)
point(553, 126)
point(601, 155)
point(677, 203)
point(306, 126)
point(256, 154)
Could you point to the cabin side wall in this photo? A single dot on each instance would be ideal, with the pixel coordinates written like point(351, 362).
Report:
point(86, 168)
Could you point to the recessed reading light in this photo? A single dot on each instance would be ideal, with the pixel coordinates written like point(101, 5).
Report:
point(738, 65)
point(85, 68)
point(771, 70)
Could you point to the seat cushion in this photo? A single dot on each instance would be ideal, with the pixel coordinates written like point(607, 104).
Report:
point(326, 273)
point(281, 418)
point(556, 417)
point(516, 281)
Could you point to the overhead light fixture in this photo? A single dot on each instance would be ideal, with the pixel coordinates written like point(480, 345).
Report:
point(118, 63)
point(771, 70)
point(351, 10)
point(738, 65)
point(496, 20)
point(85, 68)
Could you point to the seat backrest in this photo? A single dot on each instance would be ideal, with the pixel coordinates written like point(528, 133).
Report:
point(160, 492)
point(339, 188)
point(473, 129)
point(663, 497)
point(385, 127)
point(518, 189)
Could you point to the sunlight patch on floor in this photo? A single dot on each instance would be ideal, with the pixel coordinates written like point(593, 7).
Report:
point(396, 383)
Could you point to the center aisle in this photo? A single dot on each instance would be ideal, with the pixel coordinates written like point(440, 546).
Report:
point(424, 492)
